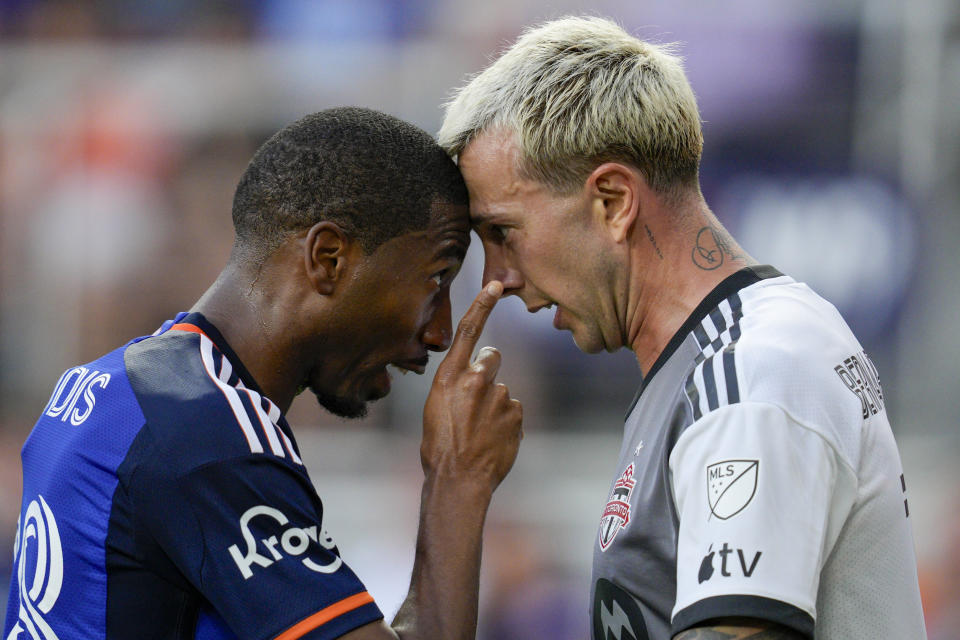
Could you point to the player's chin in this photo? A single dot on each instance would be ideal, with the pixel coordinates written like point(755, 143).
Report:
point(346, 408)
point(342, 406)
point(587, 343)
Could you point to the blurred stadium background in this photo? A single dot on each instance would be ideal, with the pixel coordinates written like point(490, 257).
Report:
point(832, 151)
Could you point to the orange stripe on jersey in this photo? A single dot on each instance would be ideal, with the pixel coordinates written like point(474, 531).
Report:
point(325, 615)
point(192, 328)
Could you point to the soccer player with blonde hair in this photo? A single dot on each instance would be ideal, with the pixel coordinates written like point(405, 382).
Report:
point(759, 491)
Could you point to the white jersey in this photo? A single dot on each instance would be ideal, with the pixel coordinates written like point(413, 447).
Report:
point(759, 478)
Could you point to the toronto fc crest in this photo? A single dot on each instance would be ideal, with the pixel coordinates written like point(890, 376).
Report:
point(616, 514)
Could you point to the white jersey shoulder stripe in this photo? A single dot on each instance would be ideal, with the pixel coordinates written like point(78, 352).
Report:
point(274, 412)
point(269, 416)
point(233, 398)
point(256, 408)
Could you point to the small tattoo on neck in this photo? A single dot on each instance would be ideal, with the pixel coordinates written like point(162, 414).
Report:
point(712, 245)
point(707, 251)
point(653, 241)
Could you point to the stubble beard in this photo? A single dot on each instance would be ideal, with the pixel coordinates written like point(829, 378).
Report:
point(343, 407)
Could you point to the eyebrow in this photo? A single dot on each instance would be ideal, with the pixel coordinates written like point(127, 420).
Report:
point(487, 219)
point(480, 217)
point(451, 249)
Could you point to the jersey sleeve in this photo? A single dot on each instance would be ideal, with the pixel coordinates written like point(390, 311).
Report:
point(760, 499)
point(247, 533)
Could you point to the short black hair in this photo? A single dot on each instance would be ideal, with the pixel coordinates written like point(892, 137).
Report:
point(375, 175)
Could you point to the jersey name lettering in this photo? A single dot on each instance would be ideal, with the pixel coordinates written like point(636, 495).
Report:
point(860, 377)
point(75, 384)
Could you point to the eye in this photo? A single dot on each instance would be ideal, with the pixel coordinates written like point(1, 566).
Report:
point(440, 277)
point(499, 232)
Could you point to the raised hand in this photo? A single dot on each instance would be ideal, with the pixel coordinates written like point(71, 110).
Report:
point(471, 426)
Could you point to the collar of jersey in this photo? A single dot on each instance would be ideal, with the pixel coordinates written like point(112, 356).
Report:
point(729, 286)
point(200, 322)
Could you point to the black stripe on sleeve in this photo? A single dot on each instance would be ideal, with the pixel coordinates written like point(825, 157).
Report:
point(730, 375)
point(744, 606)
point(736, 306)
point(701, 334)
point(710, 384)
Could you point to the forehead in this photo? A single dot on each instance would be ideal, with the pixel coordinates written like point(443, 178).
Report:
point(449, 223)
point(447, 237)
point(488, 165)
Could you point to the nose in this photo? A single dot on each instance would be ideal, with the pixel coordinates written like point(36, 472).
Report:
point(495, 267)
point(438, 333)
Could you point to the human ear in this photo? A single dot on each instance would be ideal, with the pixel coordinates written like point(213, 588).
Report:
point(615, 192)
point(325, 255)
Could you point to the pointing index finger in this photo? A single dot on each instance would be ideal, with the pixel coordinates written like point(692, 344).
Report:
point(471, 325)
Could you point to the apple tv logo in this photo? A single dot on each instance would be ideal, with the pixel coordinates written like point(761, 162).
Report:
point(707, 569)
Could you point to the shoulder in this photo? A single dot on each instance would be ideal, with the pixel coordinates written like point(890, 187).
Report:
point(196, 409)
point(790, 334)
point(789, 348)
point(79, 389)
point(793, 344)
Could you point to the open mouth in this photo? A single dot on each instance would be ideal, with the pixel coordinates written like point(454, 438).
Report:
point(549, 305)
point(406, 367)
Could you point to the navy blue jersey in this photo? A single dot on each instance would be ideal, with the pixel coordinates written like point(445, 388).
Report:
point(164, 497)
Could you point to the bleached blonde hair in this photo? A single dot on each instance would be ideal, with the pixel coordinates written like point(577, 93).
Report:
point(580, 91)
